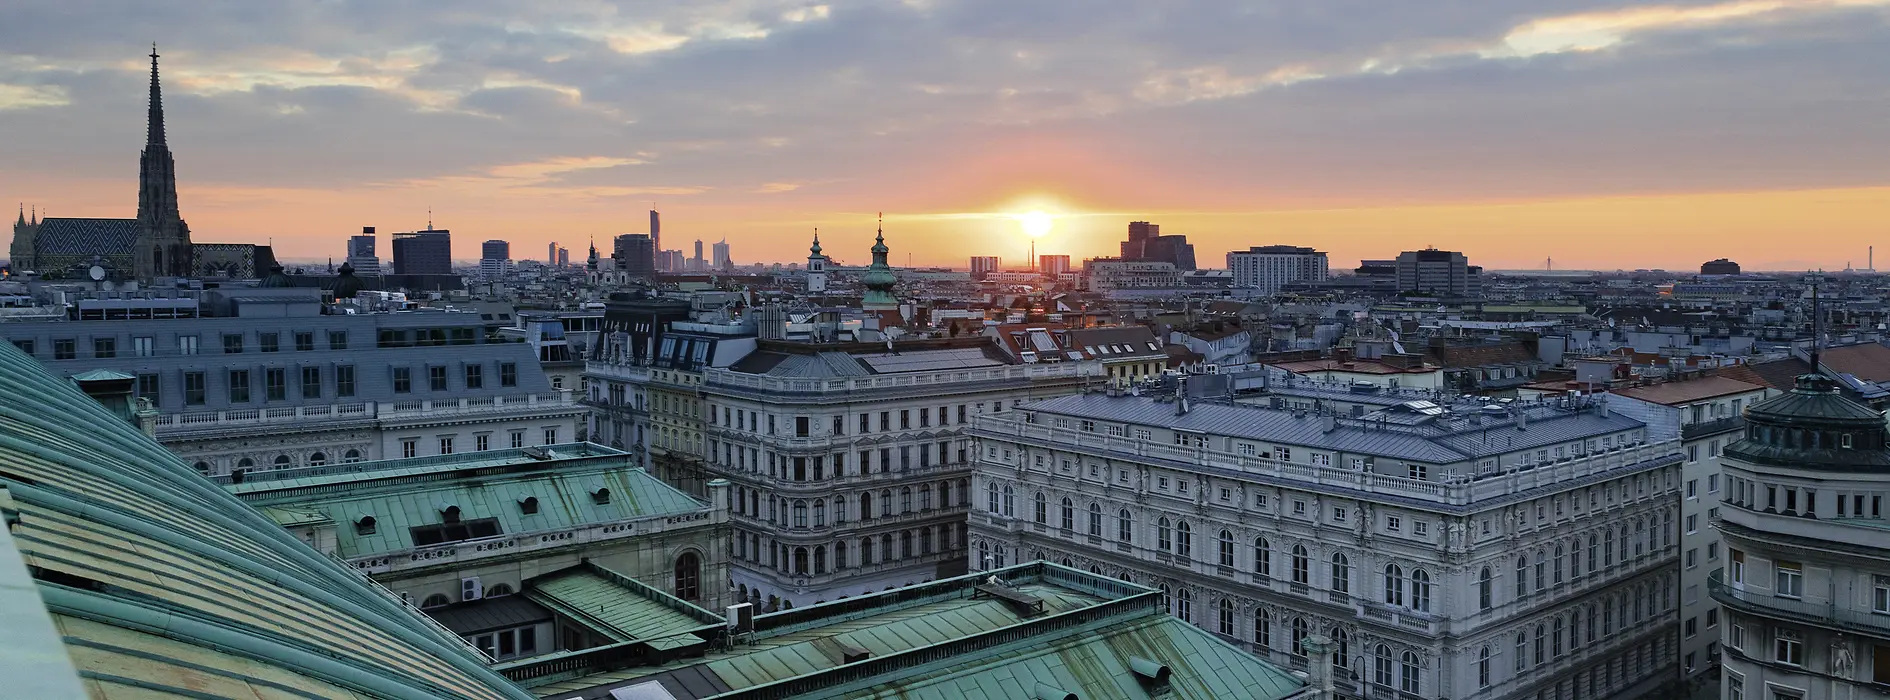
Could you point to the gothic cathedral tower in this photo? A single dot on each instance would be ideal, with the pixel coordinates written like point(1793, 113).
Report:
point(163, 245)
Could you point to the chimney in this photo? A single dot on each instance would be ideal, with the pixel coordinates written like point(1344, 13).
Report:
point(1342, 355)
point(1319, 651)
point(1181, 396)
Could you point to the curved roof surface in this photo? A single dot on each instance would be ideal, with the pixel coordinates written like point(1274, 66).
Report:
point(160, 584)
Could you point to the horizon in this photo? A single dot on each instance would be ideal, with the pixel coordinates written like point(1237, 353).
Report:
point(1604, 135)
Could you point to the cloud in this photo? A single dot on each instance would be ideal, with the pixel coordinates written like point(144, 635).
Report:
point(31, 96)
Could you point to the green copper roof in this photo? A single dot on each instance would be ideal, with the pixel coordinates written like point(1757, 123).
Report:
point(161, 584)
point(620, 607)
point(407, 493)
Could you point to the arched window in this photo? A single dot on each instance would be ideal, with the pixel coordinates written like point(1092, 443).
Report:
point(318, 459)
point(1381, 666)
point(925, 497)
point(1184, 540)
point(991, 497)
point(885, 502)
point(1522, 575)
point(1607, 547)
point(820, 559)
point(1040, 509)
point(1300, 631)
point(1095, 520)
point(497, 590)
point(1227, 617)
point(1409, 675)
point(245, 463)
point(1542, 644)
point(839, 511)
point(1262, 629)
point(839, 555)
point(1559, 554)
point(365, 525)
point(820, 512)
point(905, 543)
point(351, 456)
point(1301, 566)
point(1394, 585)
point(1575, 560)
point(1420, 590)
point(1486, 589)
point(1341, 573)
point(1623, 541)
point(1010, 501)
point(1555, 639)
point(202, 468)
point(1184, 605)
point(905, 499)
point(1541, 571)
point(283, 461)
point(1483, 667)
point(1164, 535)
point(800, 561)
point(800, 514)
point(1262, 557)
point(436, 600)
point(1066, 516)
point(1227, 549)
point(1125, 526)
point(1522, 651)
point(866, 505)
point(1168, 598)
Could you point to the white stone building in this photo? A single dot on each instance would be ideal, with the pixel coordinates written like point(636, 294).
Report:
point(1267, 268)
point(1524, 554)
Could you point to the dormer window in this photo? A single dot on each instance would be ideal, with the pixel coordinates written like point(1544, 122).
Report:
point(600, 496)
point(528, 505)
point(364, 525)
point(449, 514)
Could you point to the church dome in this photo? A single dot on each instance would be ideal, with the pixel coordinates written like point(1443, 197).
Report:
point(346, 284)
point(276, 278)
point(1814, 427)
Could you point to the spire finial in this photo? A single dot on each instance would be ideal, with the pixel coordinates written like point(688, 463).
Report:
point(154, 135)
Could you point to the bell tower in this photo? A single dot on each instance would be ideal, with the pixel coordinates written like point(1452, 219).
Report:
point(163, 245)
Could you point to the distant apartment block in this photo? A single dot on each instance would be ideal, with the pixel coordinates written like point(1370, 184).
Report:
point(1441, 273)
point(1268, 268)
point(428, 252)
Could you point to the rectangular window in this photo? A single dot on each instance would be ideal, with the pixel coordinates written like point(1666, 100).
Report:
point(1393, 523)
point(311, 382)
point(551, 436)
point(239, 386)
point(1790, 581)
point(65, 349)
point(186, 345)
point(802, 426)
point(304, 341)
point(905, 420)
point(344, 381)
point(475, 376)
point(436, 378)
point(232, 343)
point(1880, 594)
point(446, 445)
point(193, 389)
point(24, 344)
point(143, 346)
point(866, 423)
point(518, 439)
point(337, 340)
point(410, 448)
point(1736, 573)
point(148, 388)
point(508, 374)
point(482, 442)
point(403, 380)
point(1788, 648)
point(267, 342)
point(275, 384)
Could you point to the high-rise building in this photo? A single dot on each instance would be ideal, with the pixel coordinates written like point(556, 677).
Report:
point(1146, 244)
point(1267, 268)
point(698, 263)
point(982, 265)
point(361, 253)
point(1804, 589)
point(495, 258)
point(1053, 266)
point(656, 234)
point(564, 256)
point(428, 252)
point(669, 260)
point(551, 254)
point(720, 250)
point(635, 254)
point(1443, 273)
point(1471, 567)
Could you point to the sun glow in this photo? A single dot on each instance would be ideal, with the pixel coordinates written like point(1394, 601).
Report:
point(1036, 224)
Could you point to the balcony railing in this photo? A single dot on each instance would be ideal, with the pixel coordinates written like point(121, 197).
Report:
point(852, 524)
point(1825, 614)
point(724, 378)
point(1712, 427)
point(184, 424)
point(1459, 489)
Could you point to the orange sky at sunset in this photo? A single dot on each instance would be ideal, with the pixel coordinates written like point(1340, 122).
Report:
point(1603, 133)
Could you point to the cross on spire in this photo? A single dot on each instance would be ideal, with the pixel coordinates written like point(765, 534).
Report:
point(154, 135)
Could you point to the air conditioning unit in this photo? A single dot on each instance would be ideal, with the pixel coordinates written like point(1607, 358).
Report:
point(741, 618)
point(470, 590)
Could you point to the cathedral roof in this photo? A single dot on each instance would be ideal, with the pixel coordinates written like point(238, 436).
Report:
point(63, 236)
point(123, 569)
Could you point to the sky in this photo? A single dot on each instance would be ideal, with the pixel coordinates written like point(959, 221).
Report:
point(1593, 134)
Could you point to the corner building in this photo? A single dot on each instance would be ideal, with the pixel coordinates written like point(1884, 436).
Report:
point(1806, 588)
point(1448, 551)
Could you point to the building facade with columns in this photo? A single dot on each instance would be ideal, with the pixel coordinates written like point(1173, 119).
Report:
point(1806, 583)
point(1447, 551)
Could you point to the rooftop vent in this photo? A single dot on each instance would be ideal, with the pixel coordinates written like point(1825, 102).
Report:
point(850, 654)
point(1045, 691)
point(1149, 672)
point(537, 453)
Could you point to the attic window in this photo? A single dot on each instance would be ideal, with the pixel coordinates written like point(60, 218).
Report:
point(528, 505)
point(364, 525)
point(600, 496)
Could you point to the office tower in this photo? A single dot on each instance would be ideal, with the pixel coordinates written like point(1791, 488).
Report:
point(1267, 268)
point(361, 253)
point(635, 254)
point(564, 257)
point(698, 263)
point(982, 265)
point(428, 252)
point(1053, 266)
point(1441, 273)
point(495, 258)
point(720, 251)
point(1146, 244)
point(551, 253)
point(656, 233)
point(1443, 561)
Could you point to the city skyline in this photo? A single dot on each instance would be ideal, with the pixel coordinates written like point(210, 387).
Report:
point(1602, 135)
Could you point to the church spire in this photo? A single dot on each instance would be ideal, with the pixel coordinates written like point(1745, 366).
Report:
point(154, 135)
point(22, 221)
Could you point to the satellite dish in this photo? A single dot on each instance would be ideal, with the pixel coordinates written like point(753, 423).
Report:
point(97, 273)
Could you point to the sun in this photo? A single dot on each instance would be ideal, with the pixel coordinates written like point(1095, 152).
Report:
point(1036, 224)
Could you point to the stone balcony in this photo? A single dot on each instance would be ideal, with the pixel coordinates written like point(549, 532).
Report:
point(1826, 613)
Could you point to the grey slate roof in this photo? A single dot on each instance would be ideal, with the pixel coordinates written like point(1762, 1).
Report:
point(1438, 442)
point(62, 236)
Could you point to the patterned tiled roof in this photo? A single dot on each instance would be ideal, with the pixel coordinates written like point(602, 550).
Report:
point(63, 236)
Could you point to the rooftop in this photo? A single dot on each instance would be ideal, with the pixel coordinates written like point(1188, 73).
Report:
point(955, 638)
point(1680, 393)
